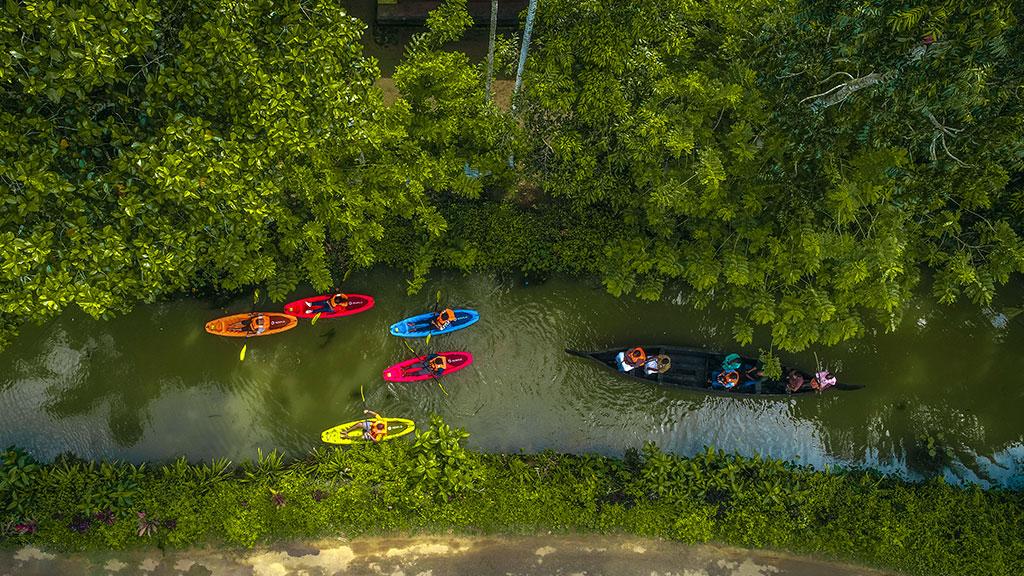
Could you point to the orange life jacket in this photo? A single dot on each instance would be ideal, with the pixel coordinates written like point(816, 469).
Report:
point(439, 363)
point(729, 379)
point(378, 430)
point(339, 300)
point(257, 322)
point(444, 318)
point(636, 356)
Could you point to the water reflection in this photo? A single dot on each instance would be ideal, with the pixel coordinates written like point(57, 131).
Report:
point(153, 385)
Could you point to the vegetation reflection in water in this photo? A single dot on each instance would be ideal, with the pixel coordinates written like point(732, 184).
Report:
point(942, 393)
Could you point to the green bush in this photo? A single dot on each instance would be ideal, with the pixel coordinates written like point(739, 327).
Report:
point(435, 484)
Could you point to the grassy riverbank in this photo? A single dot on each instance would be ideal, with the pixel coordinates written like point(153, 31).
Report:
point(434, 485)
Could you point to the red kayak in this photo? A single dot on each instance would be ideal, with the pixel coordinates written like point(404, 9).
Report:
point(328, 308)
point(416, 369)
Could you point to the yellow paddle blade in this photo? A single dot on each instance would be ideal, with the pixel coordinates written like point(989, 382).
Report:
point(442, 388)
point(438, 296)
point(315, 318)
point(429, 334)
point(241, 354)
point(361, 395)
point(256, 295)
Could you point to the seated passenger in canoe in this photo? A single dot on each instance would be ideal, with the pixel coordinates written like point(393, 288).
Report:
point(374, 429)
point(735, 375)
point(657, 365)
point(328, 305)
point(794, 381)
point(444, 319)
point(725, 379)
point(729, 375)
point(436, 364)
point(631, 359)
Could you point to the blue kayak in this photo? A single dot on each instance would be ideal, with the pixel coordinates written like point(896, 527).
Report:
point(420, 326)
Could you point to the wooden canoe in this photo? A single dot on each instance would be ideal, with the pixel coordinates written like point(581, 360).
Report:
point(693, 368)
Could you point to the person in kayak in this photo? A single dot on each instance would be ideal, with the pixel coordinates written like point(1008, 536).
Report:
point(631, 359)
point(374, 429)
point(444, 319)
point(329, 305)
point(657, 365)
point(435, 364)
point(258, 324)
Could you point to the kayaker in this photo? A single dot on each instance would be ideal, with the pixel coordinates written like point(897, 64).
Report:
point(258, 324)
point(436, 364)
point(374, 429)
point(794, 381)
point(328, 305)
point(657, 365)
point(444, 319)
point(631, 359)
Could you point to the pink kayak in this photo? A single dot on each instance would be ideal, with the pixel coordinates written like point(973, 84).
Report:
point(416, 369)
point(309, 307)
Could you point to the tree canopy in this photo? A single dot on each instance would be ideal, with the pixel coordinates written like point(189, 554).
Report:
point(805, 164)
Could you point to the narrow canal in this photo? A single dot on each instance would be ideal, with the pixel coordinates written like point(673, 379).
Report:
point(154, 385)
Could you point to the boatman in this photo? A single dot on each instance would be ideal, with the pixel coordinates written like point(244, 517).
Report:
point(823, 379)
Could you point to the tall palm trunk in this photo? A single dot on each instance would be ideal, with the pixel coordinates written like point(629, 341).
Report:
point(490, 46)
point(525, 48)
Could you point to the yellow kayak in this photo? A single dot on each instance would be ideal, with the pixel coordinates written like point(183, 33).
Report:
point(397, 427)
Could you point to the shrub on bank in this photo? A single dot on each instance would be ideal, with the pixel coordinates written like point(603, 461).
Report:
point(435, 484)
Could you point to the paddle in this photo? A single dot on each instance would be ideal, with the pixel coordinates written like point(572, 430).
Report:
point(435, 378)
point(437, 302)
point(245, 341)
point(315, 318)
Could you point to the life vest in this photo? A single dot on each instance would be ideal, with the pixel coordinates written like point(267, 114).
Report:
point(438, 363)
point(636, 356)
point(258, 322)
point(729, 379)
point(378, 429)
point(446, 317)
point(339, 300)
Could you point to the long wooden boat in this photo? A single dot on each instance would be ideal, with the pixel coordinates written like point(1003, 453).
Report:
point(693, 368)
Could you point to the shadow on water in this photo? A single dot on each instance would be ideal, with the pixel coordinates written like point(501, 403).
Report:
point(943, 395)
point(327, 337)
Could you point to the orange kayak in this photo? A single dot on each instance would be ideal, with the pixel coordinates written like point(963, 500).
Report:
point(241, 325)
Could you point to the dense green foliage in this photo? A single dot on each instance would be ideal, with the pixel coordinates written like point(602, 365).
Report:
point(804, 164)
point(435, 484)
point(148, 148)
point(797, 162)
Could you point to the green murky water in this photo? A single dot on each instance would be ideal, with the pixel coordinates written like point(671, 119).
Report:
point(154, 385)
